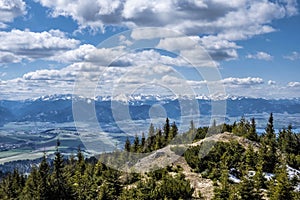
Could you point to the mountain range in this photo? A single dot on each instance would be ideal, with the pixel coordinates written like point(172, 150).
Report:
point(58, 108)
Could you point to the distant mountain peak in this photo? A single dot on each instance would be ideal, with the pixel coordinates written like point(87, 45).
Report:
point(148, 97)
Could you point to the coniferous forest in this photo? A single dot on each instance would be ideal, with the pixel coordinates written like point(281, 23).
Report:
point(240, 165)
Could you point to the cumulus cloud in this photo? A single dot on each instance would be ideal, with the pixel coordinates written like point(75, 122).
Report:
point(223, 21)
point(45, 74)
point(88, 13)
point(112, 81)
point(245, 17)
point(17, 44)
point(220, 49)
point(10, 9)
point(89, 53)
point(293, 56)
point(260, 56)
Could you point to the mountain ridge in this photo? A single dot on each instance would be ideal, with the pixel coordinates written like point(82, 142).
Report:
point(58, 108)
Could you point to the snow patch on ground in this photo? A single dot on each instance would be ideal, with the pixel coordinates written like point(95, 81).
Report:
point(234, 179)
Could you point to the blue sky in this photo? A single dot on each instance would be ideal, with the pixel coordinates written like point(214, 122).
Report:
point(47, 45)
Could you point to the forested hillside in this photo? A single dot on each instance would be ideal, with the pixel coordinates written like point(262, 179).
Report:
point(233, 160)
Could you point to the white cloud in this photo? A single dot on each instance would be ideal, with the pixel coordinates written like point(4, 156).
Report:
point(89, 53)
point(293, 56)
point(125, 80)
point(17, 44)
point(246, 17)
point(7, 57)
point(88, 13)
point(220, 49)
point(222, 21)
point(294, 84)
point(271, 82)
point(260, 56)
point(10, 9)
point(249, 81)
point(59, 75)
point(149, 33)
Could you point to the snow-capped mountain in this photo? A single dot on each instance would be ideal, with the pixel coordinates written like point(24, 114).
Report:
point(58, 108)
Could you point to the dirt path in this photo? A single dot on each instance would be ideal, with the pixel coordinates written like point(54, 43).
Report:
point(205, 186)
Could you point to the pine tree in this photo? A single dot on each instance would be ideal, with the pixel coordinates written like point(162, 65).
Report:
point(268, 150)
point(159, 140)
point(80, 164)
point(250, 158)
point(173, 131)
point(223, 191)
point(127, 144)
point(247, 191)
point(31, 189)
point(143, 141)
point(136, 143)
point(242, 128)
point(59, 185)
point(191, 133)
point(252, 134)
point(268, 156)
point(44, 175)
point(259, 180)
point(287, 141)
point(111, 185)
point(151, 131)
point(282, 188)
point(151, 140)
point(270, 137)
point(167, 129)
point(106, 192)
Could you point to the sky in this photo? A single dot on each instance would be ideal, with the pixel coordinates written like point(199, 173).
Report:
point(117, 48)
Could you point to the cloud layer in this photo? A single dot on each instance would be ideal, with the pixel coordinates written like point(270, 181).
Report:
point(230, 19)
point(216, 25)
point(17, 45)
point(221, 22)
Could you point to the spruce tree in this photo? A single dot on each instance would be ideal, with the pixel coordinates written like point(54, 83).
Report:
point(259, 180)
point(252, 134)
point(59, 185)
point(143, 141)
point(270, 137)
point(44, 175)
point(268, 148)
point(80, 164)
point(223, 191)
point(247, 191)
point(250, 158)
point(127, 144)
point(173, 131)
point(151, 131)
point(158, 140)
point(31, 189)
point(167, 129)
point(282, 188)
point(136, 143)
